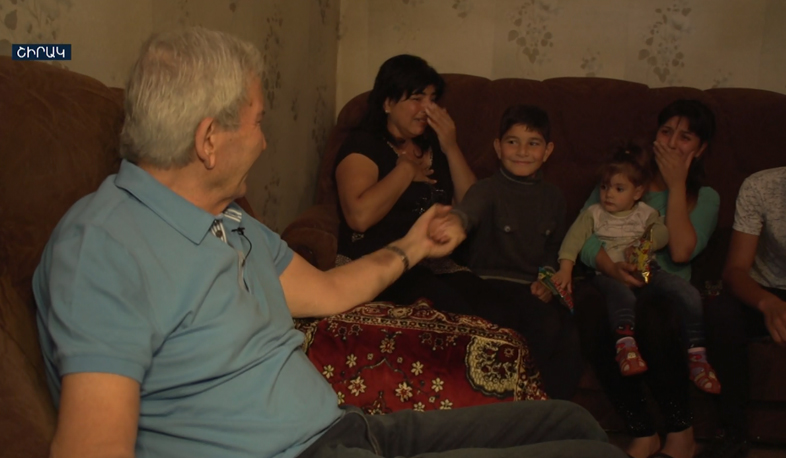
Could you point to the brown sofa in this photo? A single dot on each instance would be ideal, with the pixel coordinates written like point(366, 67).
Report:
point(586, 114)
point(60, 135)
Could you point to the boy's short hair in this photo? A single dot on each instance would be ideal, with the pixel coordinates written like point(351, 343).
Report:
point(630, 159)
point(535, 118)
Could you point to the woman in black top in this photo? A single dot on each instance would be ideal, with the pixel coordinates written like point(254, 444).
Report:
point(402, 159)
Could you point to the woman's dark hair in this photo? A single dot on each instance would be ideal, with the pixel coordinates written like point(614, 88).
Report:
point(630, 159)
point(400, 77)
point(701, 121)
point(531, 116)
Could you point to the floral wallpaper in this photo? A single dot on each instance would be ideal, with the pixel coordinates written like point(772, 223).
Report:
point(272, 49)
point(104, 34)
point(531, 33)
point(298, 39)
point(591, 64)
point(722, 43)
point(31, 21)
point(661, 50)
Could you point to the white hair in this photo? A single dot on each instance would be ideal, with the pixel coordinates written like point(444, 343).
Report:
point(181, 78)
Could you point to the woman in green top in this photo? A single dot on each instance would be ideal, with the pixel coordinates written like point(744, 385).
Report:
point(691, 211)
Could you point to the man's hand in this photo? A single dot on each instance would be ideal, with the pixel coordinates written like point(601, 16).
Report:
point(540, 291)
point(774, 311)
point(419, 236)
point(445, 228)
point(339, 289)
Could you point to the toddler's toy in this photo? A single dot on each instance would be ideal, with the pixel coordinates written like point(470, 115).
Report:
point(643, 257)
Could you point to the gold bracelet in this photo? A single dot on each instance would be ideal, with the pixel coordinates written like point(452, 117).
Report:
point(401, 253)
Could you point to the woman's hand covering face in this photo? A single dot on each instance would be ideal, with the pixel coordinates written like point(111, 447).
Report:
point(672, 164)
point(439, 120)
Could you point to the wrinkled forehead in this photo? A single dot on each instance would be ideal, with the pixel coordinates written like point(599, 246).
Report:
point(255, 96)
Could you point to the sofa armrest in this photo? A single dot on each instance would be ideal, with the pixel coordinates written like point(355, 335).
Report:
point(314, 235)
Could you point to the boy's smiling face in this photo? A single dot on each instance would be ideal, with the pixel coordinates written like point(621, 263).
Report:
point(522, 151)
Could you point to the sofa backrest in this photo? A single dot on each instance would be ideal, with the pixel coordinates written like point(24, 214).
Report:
point(60, 137)
point(586, 115)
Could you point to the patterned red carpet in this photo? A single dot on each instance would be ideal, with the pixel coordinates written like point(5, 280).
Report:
point(385, 358)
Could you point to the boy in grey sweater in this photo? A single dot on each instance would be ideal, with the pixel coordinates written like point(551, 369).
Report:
point(516, 222)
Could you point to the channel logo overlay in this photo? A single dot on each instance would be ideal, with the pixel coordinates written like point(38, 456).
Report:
point(37, 51)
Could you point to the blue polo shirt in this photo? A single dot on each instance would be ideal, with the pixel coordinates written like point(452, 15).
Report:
point(133, 283)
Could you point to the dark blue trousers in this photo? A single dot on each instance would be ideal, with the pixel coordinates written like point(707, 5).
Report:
point(542, 429)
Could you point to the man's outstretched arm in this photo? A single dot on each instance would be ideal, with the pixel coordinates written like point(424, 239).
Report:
point(311, 292)
point(98, 416)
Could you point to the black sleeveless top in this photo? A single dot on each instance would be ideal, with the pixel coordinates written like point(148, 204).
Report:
point(417, 198)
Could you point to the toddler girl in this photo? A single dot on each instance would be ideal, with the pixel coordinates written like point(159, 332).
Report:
point(619, 220)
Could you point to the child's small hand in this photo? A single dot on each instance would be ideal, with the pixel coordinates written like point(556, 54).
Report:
point(629, 253)
point(540, 291)
point(563, 279)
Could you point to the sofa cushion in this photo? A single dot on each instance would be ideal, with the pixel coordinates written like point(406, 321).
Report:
point(60, 137)
point(27, 422)
point(385, 358)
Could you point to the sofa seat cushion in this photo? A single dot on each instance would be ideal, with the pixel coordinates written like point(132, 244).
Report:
point(384, 358)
